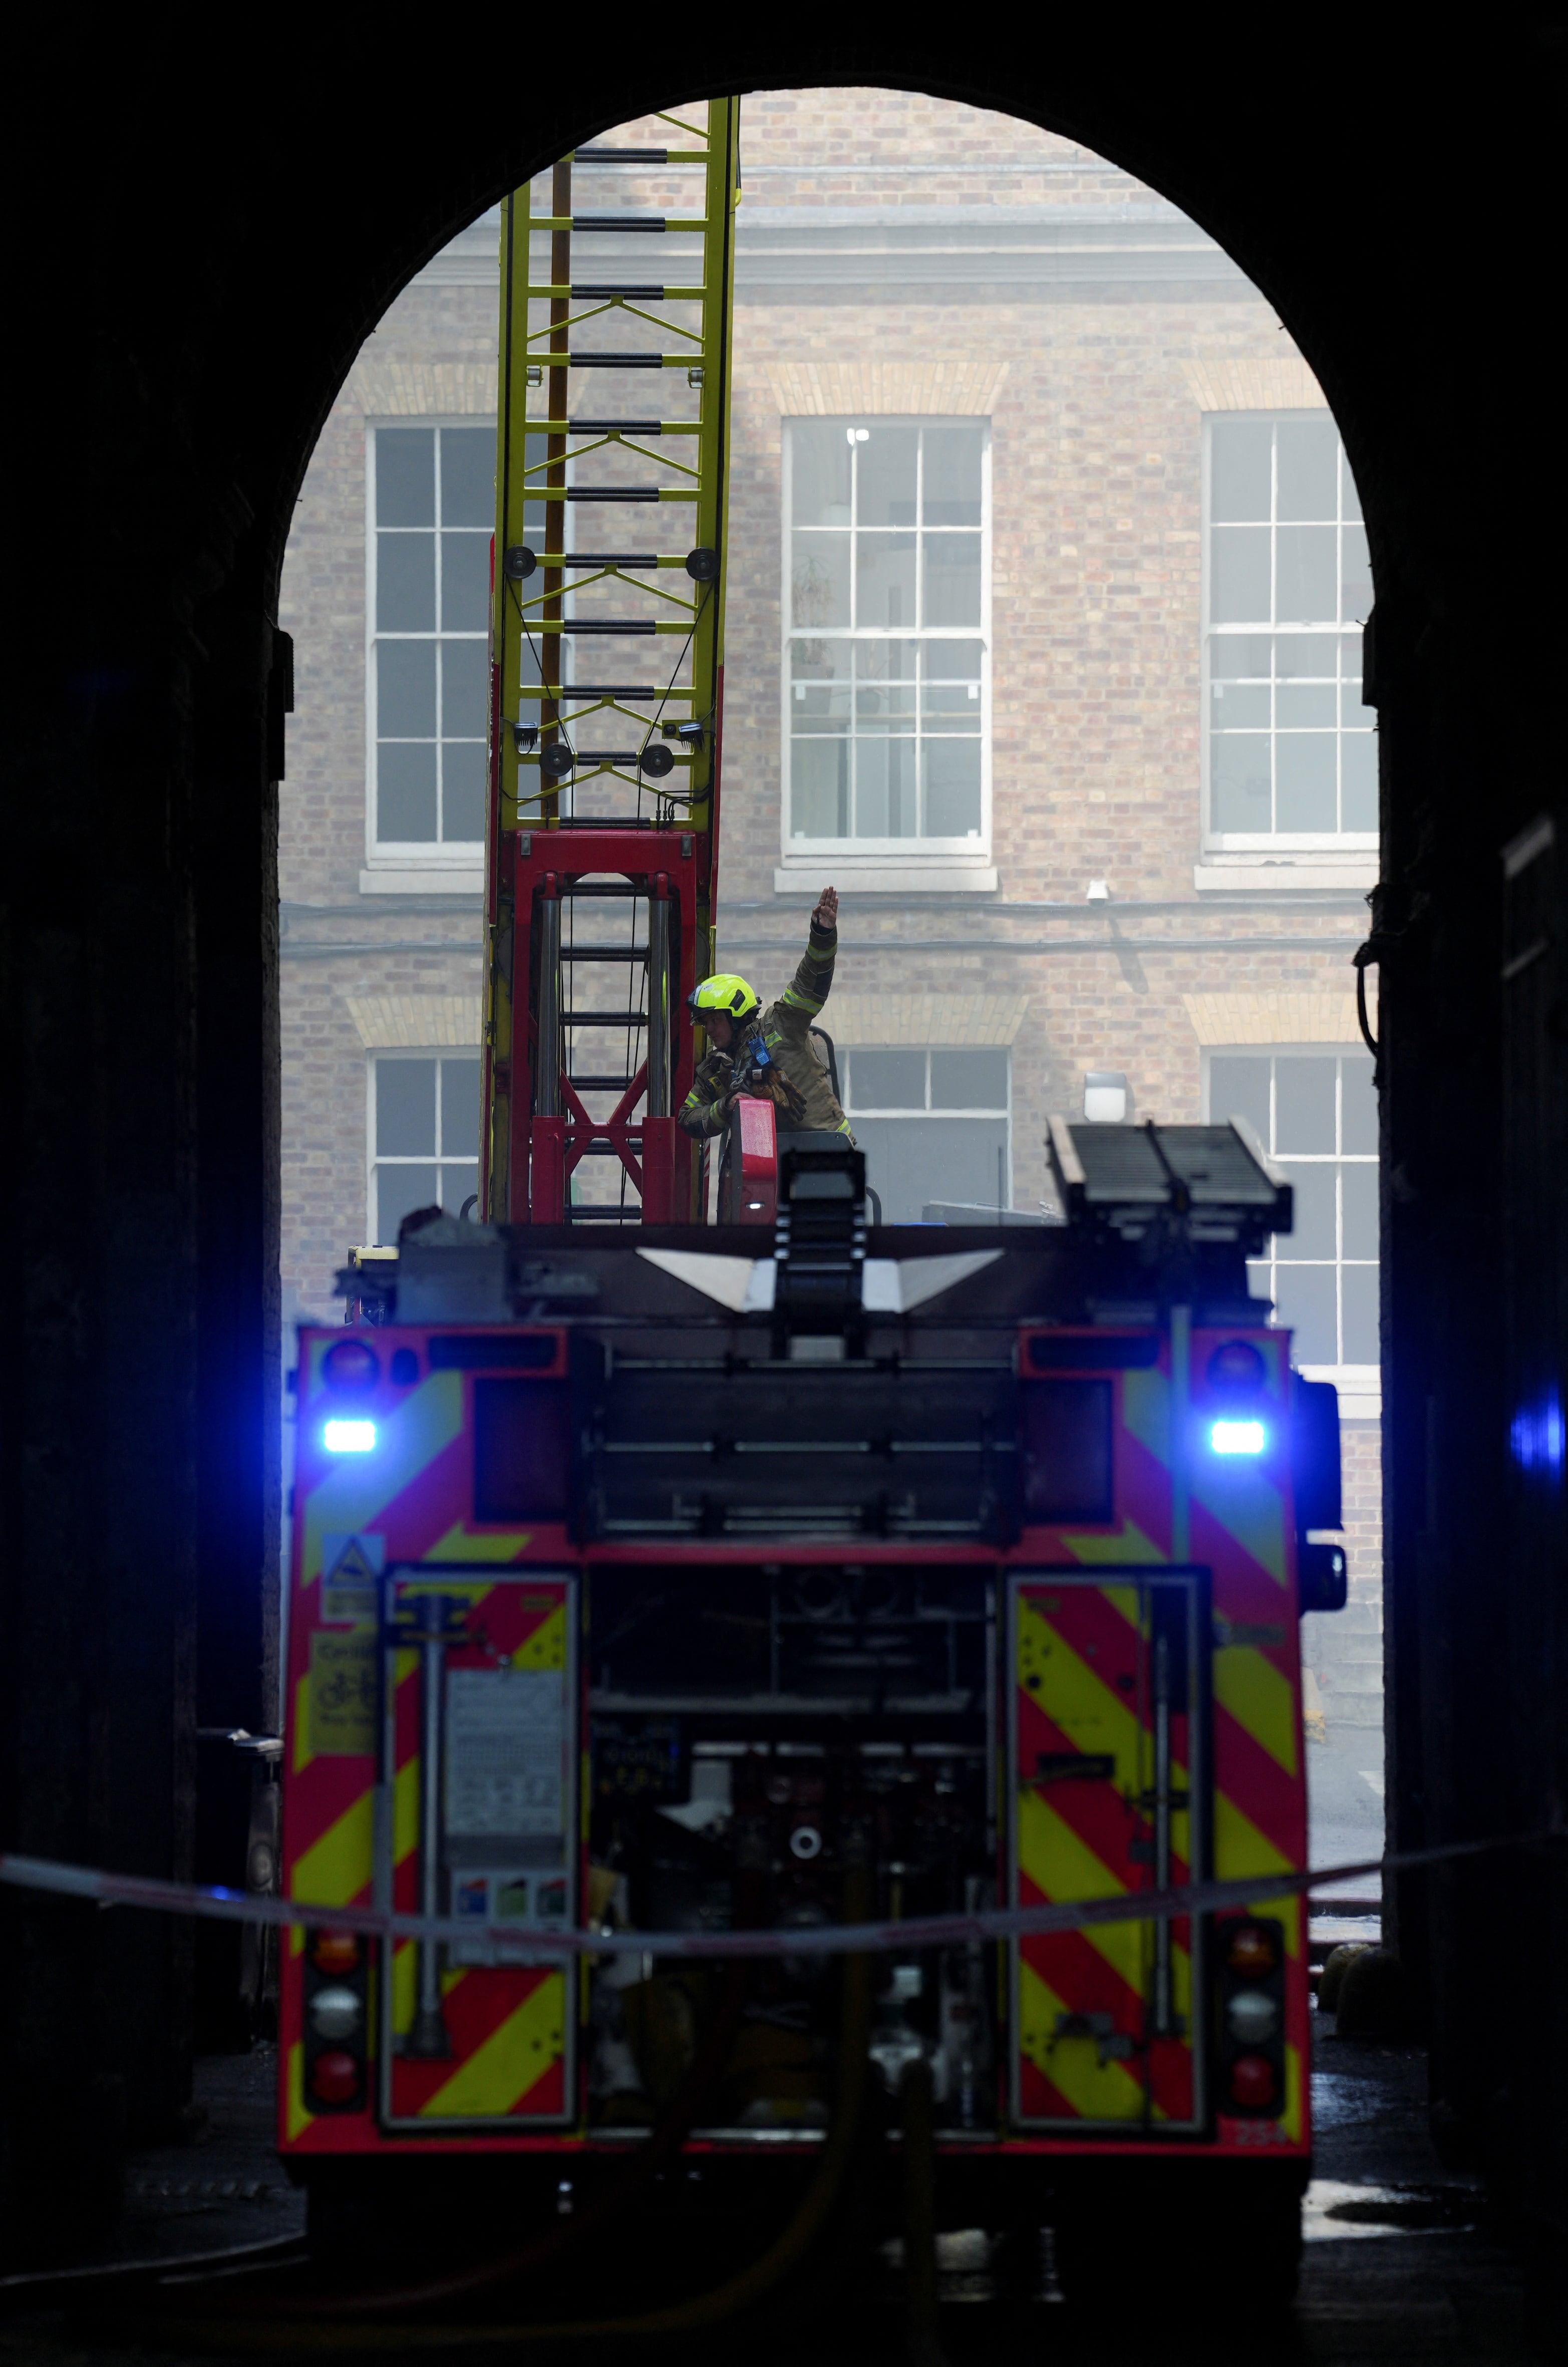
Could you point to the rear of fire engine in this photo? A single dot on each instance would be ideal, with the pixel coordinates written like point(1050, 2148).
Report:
point(639, 1586)
point(655, 1575)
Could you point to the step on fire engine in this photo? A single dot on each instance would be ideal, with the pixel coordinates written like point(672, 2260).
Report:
point(652, 1574)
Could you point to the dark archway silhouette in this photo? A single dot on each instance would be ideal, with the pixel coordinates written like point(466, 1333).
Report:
point(203, 240)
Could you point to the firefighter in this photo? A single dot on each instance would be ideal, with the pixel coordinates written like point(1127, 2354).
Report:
point(768, 1053)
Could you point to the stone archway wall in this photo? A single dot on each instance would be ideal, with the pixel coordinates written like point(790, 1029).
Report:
point(202, 254)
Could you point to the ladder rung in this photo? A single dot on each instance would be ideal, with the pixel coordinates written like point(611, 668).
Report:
point(602, 624)
point(560, 690)
point(604, 1018)
point(600, 1085)
point(649, 222)
point(601, 559)
point(603, 953)
point(609, 360)
point(630, 155)
point(579, 1215)
point(649, 292)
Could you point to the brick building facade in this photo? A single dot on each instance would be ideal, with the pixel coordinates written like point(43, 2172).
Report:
point(1103, 546)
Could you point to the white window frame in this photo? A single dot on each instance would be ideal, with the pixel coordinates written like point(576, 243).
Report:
point(413, 865)
point(1360, 1386)
point(374, 1161)
point(903, 854)
point(986, 1116)
point(1234, 847)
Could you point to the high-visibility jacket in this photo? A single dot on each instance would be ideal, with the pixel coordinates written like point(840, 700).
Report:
point(775, 1059)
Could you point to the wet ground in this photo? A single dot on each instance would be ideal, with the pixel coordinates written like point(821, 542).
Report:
point(1400, 2263)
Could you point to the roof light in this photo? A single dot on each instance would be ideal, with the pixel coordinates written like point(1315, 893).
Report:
point(1238, 1437)
point(349, 1437)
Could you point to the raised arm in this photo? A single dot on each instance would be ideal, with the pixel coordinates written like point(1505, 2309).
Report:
point(809, 989)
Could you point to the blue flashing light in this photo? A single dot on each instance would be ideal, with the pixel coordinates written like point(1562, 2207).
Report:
point(1536, 1434)
point(349, 1437)
point(1238, 1437)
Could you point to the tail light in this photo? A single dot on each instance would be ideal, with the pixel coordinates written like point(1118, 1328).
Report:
point(1251, 2003)
point(336, 2022)
point(1254, 2084)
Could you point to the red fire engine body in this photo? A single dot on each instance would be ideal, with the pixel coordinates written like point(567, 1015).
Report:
point(650, 1585)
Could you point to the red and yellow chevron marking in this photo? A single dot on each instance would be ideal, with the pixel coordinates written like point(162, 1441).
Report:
point(1241, 1529)
point(410, 1502)
point(1083, 1687)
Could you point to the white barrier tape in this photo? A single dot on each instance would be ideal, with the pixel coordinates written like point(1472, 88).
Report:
point(822, 1939)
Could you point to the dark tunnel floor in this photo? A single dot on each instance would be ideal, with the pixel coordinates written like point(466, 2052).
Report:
point(1412, 2275)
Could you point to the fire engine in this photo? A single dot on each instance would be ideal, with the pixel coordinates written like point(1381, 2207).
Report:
point(655, 1573)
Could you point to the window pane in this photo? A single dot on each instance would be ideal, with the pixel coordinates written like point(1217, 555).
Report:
point(405, 1108)
point(1359, 1203)
point(467, 476)
point(1358, 1106)
point(405, 790)
point(1313, 1234)
point(1303, 1104)
point(1353, 715)
point(951, 705)
point(1299, 657)
point(1239, 575)
point(885, 492)
point(1308, 465)
point(820, 474)
point(969, 1080)
point(399, 1190)
point(459, 1109)
point(1303, 776)
point(887, 1080)
point(465, 689)
point(912, 1161)
point(405, 582)
point(884, 660)
point(1238, 770)
point(465, 582)
point(819, 789)
point(1355, 572)
point(1359, 781)
point(1312, 705)
point(953, 579)
point(405, 690)
point(1240, 706)
point(1238, 469)
point(885, 790)
point(953, 475)
point(950, 661)
point(405, 476)
point(458, 1183)
point(951, 769)
point(885, 580)
point(463, 791)
point(1358, 1290)
point(1234, 657)
point(888, 705)
point(1303, 1299)
point(816, 660)
point(1239, 1088)
point(820, 581)
point(1305, 594)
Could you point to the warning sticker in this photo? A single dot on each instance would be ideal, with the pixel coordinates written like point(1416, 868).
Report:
point(343, 1694)
point(352, 1563)
point(506, 1752)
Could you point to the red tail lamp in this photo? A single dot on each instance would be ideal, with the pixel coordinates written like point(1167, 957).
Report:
point(1253, 2083)
point(335, 2077)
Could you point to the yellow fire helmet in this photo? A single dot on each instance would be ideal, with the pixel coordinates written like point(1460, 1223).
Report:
point(724, 992)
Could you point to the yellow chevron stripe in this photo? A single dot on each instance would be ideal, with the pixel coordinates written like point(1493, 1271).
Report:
point(1062, 1867)
point(1258, 1698)
point(297, 2118)
point(1290, 2118)
point(1073, 1696)
point(1130, 1543)
point(336, 1868)
point(361, 1485)
point(513, 2059)
point(1098, 2091)
point(462, 1544)
point(546, 1648)
point(1146, 1410)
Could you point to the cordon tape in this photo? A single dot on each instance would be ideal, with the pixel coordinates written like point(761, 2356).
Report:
point(826, 1939)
